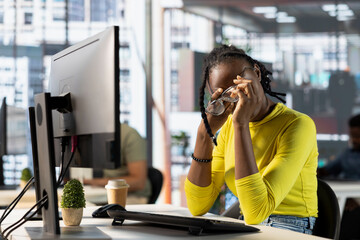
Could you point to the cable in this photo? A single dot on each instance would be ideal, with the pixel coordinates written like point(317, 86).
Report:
point(74, 144)
point(64, 142)
point(16, 200)
point(12, 205)
point(24, 218)
point(61, 177)
point(43, 200)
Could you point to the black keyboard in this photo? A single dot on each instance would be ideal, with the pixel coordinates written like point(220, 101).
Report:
point(195, 225)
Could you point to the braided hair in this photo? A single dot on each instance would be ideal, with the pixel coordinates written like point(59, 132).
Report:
point(222, 54)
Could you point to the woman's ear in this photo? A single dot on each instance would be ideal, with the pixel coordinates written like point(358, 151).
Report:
point(257, 71)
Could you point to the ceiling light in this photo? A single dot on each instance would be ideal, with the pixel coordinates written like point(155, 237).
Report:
point(342, 7)
point(332, 7)
point(328, 7)
point(281, 14)
point(344, 13)
point(332, 13)
point(268, 9)
point(347, 13)
point(288, 19)
point(344, 18)
point(270, 15)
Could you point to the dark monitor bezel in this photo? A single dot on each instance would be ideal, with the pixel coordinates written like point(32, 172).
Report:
point(3, 138)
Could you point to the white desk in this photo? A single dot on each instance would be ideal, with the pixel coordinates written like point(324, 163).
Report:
point(344, 190)
point(139, 230)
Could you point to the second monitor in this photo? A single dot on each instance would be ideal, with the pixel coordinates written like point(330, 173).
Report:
point(89, 70)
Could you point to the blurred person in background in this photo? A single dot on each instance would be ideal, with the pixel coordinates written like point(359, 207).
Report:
point(133, 166)
point(347, 166)
point(342, 93)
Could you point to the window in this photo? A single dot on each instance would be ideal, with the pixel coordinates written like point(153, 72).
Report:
point(59, 14)
point(102, 10)
point(76, 10)
point(28, 18)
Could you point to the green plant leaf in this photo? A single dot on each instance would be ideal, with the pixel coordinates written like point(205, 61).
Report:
point(26, 174)
point(73, 195)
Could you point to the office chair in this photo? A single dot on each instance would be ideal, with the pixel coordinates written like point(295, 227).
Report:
point(156, 179)
point(328, 222)
point(233, 211)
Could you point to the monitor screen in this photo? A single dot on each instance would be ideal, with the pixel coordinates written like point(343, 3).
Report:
point(89, 71)
point(3, 139)
point(17, 127)
point(3, 128)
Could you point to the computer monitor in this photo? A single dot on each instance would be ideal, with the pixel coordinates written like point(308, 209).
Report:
point(3, 140)
point(13, 139)
point(88, 72)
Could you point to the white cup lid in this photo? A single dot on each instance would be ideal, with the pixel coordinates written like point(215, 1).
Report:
point(117, 183)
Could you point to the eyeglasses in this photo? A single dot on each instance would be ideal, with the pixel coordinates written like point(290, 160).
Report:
point(216, 107)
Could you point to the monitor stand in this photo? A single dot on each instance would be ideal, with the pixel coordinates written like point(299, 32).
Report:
point(46, 162)
point(2, 182)
point(34, 149)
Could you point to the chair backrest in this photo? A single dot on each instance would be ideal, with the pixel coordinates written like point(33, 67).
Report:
point(328, 222)
point(156, 179)
point(233, 211)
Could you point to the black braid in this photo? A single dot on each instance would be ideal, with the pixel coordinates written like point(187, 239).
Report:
point(224, 53)
point(265, 82)
point(202, 108)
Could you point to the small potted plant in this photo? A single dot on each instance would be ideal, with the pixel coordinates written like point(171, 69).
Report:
point(25, 177)
point(72, 203)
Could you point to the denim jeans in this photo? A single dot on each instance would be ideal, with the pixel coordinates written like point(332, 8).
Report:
point(297, 224)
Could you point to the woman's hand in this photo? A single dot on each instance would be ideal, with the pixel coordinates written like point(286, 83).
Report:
point(251, 95)
point(216, 122)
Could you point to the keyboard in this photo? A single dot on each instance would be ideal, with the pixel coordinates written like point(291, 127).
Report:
point(195, 225)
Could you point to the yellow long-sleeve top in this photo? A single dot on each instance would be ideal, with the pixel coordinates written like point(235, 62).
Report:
point(285, 149)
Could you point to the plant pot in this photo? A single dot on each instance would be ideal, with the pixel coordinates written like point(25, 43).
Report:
point(22, 184)
point(72, 216)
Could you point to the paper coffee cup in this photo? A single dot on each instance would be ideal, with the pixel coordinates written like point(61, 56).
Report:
point(117, 191)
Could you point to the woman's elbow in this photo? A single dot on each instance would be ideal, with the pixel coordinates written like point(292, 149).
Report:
point(196, 211)
point(196, 208)
point(256, 216)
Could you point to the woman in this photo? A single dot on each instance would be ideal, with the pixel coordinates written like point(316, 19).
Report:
point(265, 152)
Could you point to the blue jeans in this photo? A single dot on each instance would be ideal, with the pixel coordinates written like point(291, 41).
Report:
point(297, 224)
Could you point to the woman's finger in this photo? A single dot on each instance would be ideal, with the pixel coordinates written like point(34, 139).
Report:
point(216, 94)
point(243, 80)
point(242, 87)
point(241, 93)
point(228, 109)
point(250, 90)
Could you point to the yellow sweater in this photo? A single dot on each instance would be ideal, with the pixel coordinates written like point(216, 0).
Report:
point(285, 149)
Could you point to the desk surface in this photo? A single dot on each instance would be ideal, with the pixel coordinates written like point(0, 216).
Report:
point(345, 186)
point(139, 230)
